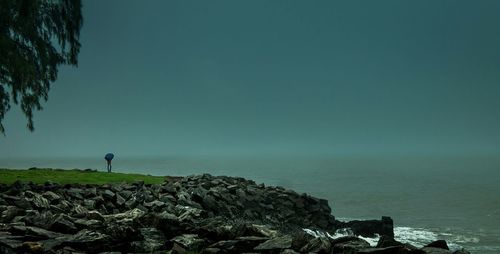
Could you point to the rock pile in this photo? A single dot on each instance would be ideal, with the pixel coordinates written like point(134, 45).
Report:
point(195, 214)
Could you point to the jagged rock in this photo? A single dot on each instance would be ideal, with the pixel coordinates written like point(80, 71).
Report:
point(349, 244)
point(283, 242)
point(41, 219)
point(434, 250)
point(317, 245)
point(89, 204)
point(52, 197)
point(108, 194)
point(389, 250)
point(120, 200)
point(32, 247)
point(438, 244)
point(94, 215)
point(188, 213)
point(288, 251)
point(63, 224)
point(75, 193)
point(152, 240)
point(187, 243)
point(127, 216)
point(10, 212)
point(461, 251)
point(88, 240)
point(369, 228)
point(211, 251)
point(88, 224)
point(79, 211)
point(387, 241)
point(35, 232)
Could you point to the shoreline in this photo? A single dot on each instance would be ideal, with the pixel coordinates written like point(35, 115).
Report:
point(203, 213)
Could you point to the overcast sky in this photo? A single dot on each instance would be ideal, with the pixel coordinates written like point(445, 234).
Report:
point(287, 77)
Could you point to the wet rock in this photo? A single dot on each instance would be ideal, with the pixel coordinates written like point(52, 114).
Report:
point(34, 232)
point(187, 243)
point(52, 197)
point(88, 224)
point(41, 219)
point(434, 250)
point(90, 204)
point(125, 217)
point(283, 242)
point(369, 228)
point(349, 244)
point(438, 244)
point(389, 250)
point(63, 224)
point(317, 245)
point(95, 215)
point(120, 200)
point(79, 211)
point(387, 241)
point(10, 212)
point(88, 240)
point(289, 251)
point(75, 193)
point(32, 247)
point(108, 194)
point(152, 240)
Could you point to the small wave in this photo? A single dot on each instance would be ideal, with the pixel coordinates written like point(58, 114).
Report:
point(417, 237)
point(341, 233)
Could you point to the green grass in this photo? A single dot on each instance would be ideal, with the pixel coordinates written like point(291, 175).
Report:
point(60, 176)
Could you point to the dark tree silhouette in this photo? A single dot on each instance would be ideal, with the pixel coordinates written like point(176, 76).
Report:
point(36, 37)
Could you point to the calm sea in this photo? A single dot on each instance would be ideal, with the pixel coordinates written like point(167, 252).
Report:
point(453, 198)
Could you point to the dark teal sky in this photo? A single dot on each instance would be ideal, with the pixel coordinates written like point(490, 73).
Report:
point(274, 77)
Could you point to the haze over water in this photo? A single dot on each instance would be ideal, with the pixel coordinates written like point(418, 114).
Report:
point(382, 107)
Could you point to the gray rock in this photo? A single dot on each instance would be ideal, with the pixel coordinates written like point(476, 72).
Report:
point(317, 245)
point(187, 243)
point(10, 212)
point(152, 240)
point(95, 215)
point(41, 219)
point(283, 242)
point(35, 232)
point(211, 251)
point(125, 217)
point(349, 244)
point(120, 200)
point(63, 224)
point(89, 204)
point(79, 211)
point(52, 197)
point(75, 193)
point(125, 194)
point(88, 224)
point(108, 194)
point(88, 240)
point(387, 241)
point(438, 244)
point(288, 251)
point(434, 250)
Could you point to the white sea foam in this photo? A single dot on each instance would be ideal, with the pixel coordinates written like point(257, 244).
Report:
point(341, 233)
point(417, 237)
point(414, 236)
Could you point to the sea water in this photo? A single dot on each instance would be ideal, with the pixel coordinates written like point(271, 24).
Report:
point(429, 198)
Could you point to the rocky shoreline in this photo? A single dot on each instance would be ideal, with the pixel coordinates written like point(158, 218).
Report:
point(194, 214)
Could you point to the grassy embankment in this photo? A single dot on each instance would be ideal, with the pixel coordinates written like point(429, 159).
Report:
point(60, 176)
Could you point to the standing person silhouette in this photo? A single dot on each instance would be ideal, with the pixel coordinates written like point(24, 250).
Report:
point(108, 158)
